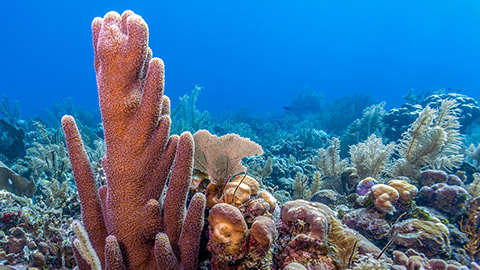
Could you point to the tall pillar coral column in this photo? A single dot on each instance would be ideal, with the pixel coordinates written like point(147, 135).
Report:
point(125, 223)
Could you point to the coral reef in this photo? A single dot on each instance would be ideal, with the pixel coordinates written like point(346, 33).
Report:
point(444, 198)
point(469, 109)
point(474, 154)
point(84, 118)
point(36, 232)
point(427, 237)
point(247, 191)
point(398, 120)
point(242, 228)
point(46, 155)
point(302, 235)
point(344, 111)
point(305, 190)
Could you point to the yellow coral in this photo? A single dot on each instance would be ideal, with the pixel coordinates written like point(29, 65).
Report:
point(236, 194)
point(405, 189)
point(268, 197)
point(384, 196)
point(248, 180)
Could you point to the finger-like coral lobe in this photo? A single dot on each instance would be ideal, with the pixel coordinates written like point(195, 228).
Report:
point(139, 157)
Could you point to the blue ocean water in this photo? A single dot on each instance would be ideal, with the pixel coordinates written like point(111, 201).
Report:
point(253, 54)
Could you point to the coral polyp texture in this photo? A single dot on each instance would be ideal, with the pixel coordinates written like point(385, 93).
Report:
point(125, 222)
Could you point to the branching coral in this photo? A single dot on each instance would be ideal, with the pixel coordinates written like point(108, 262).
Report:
point(329, 162)
point(259, 169)
point(344, 111)
point(471, 228)
point(83, 117)
point(186, 117)
point(47, 156)
point(12, 115)
point(371, 157)
point(84, 247)
point(359, 130)
point(300, 187)
point(305, 190)
point(127, 225)
point(432, 141)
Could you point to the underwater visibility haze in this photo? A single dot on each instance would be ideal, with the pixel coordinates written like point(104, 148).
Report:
point(246, 53)
point(240, 135)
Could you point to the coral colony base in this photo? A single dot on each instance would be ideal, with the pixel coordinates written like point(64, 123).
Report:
point(362, 189)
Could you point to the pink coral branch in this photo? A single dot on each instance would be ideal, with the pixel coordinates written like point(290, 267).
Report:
point(92, 215)
point(139, 156)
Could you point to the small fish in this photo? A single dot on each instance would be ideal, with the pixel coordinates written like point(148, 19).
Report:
point(287, 108)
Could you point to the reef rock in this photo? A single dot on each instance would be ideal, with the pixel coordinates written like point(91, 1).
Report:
point(431, 177)
point(444, 198)
point(426, 237)
point(326, 196)
point(302, 235)
point(468, 107)
point(398, 120)
point(369, 222)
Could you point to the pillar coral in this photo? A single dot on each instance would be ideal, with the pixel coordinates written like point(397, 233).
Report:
point(127, 225)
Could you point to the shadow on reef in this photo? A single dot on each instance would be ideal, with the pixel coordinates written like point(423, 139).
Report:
point(340, 185)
